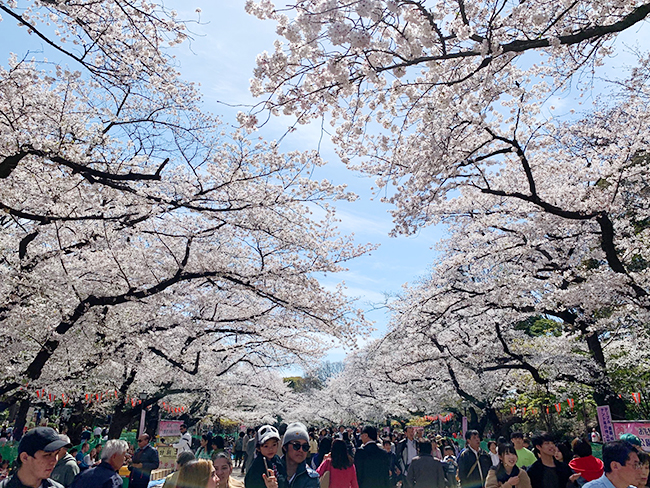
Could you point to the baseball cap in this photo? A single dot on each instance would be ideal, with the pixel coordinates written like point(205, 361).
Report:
point(631, 438)
point(65, 438)
point(295, 432)
point(267, 432)
point(41, 439)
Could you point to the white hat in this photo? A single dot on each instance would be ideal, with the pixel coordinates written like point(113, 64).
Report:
point(267, 432)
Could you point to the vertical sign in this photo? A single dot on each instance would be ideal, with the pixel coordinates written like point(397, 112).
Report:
point(606, 424)
point(464, 426)
point(143, 415)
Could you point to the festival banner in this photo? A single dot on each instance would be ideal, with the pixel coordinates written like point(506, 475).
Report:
point(169, 428)
point(606, 424)
point(641, 429)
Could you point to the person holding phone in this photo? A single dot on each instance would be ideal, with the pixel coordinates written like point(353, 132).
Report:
point(267, 468)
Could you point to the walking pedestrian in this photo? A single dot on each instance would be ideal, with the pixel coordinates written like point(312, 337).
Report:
point(295, 445)
point(506, 473)
point(38, 453)
point(547, 472)
point(371, 461)
point(473, 463)
point(342, 473)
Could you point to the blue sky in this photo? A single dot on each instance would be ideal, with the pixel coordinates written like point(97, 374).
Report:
point(221, 57)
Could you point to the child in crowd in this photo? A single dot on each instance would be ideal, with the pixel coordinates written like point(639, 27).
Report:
point(266, 458)
point(450, 466)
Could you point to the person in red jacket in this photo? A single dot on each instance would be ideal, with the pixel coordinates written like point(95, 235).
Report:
point(589, 467)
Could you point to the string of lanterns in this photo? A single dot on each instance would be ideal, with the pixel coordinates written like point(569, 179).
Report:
point(636, 397)
point(43, 395)
point(442, 418)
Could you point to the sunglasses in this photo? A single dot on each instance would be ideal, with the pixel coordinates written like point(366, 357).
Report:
point(297, 446)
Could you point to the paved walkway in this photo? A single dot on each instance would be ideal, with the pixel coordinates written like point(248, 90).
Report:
point(236, 473)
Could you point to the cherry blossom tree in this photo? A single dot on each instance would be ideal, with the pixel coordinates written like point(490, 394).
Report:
point(143, 247)
point(449, 106)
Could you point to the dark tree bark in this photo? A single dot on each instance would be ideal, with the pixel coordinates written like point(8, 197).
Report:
point(21, 418)
point(121, 419)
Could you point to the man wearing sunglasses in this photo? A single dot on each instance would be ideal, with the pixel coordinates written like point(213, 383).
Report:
point(295, 445)
point(145, 460)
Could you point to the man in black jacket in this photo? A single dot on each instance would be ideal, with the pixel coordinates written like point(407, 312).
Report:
point(371, 461)
point(38, 453)
point(546, 472)
point(473, 463)
point(145, 460)
point(106, 474)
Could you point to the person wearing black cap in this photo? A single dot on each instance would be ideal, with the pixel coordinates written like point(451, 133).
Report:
point(66, 468)
point(38, 453)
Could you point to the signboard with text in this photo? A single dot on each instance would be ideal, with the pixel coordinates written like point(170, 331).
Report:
point(167, 456)
point(169, 428)
point(606, 424)
point(641, 429)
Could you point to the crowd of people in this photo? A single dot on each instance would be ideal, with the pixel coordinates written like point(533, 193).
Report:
point(329, 458)
point(359, 458)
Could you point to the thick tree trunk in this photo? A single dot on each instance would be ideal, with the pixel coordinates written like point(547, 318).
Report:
point(603, 393)
point(493, 418)
point(121, 419)
point(617, 406)
point(151, 422)
point(13, 412)
point(21, 418)
point(504, 428)
point(79, 418)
